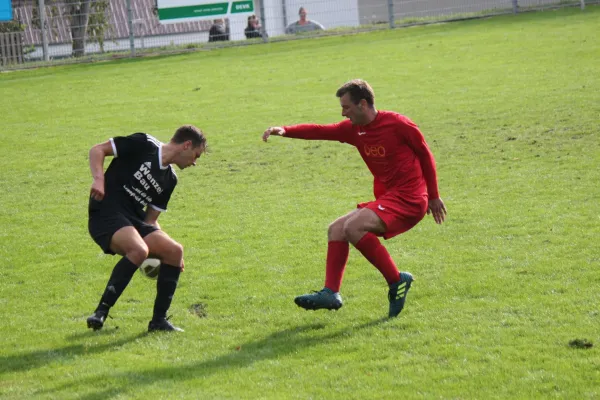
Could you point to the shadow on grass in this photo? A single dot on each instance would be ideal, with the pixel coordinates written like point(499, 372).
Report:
point(273, 346)
point(34, 359)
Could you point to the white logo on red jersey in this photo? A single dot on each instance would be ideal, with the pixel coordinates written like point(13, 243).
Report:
point(381, 208)
point(362, 133)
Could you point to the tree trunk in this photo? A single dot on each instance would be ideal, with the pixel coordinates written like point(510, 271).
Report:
point(80, 12)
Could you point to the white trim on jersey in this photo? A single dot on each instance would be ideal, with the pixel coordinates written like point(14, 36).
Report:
point(112, 143)
point(160, 145)
point(157, 208)
point(154, 140)
point(160, 158)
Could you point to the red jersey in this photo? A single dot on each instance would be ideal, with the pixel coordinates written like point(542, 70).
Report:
point(393, 148)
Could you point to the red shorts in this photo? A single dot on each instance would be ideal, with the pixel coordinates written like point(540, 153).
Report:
point(398, 212)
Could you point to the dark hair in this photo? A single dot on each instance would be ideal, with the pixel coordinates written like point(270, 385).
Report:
point(358, 90)
point(189, 132)
point(301, 9)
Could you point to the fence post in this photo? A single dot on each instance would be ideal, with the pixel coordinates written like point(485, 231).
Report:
point(130, 25)
point(263, 26)
point(391, 13)
point(42, 12)
point(284, 10)
point(515, 4)
point(582, 4)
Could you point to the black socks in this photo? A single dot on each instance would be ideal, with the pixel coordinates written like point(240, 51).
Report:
point(165, 289)
point(118, 281)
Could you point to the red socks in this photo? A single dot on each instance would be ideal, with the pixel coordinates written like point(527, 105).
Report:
point(337, 256)
point(373, 250)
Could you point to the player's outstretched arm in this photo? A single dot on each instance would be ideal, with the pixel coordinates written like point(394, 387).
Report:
point(97, 155)
point(437, 209)
point(273, 130)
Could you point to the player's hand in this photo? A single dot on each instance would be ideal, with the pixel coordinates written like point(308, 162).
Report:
point(97, 190)
point(182, 265)
point(274, 130)
point(437, 209)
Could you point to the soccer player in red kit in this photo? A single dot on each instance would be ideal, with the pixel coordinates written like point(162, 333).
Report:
point(405, 189)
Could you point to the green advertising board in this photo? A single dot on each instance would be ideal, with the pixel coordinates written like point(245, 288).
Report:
point(172, 11)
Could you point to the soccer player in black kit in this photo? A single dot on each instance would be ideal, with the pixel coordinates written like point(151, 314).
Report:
point(125, 203)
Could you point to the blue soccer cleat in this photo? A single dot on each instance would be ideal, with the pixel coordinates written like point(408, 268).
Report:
point(324, 299)
point(398, 292)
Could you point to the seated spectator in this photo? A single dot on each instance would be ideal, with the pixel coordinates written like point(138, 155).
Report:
point(218, 31)
point(303, 24)
point(253, 29)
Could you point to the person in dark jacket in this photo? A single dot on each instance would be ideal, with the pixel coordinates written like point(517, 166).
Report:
point(218, 31)
point(253, 29)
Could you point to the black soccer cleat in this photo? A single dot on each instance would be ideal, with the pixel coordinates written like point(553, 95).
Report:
point(96, 320)
point(164, 325)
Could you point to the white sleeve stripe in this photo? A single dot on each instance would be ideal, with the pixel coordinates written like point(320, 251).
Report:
point(112, 143)
point(157, 208)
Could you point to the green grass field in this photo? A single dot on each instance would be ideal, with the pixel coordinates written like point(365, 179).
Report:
point(510, 107)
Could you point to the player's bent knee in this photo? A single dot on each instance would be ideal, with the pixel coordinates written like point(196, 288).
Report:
point(335, 232)
point(178, 251)
point(137, 254)
point(354, 230)
point(173, 254)
point(349, 227)
point(364, 221)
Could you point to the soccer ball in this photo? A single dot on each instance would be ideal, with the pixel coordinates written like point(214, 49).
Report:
point(150, 268)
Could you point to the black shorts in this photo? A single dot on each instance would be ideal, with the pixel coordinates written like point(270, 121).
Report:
point(103, 224)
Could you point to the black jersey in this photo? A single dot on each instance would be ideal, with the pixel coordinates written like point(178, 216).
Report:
point(136, 177)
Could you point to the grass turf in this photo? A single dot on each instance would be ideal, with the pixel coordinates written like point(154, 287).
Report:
point(510, 108)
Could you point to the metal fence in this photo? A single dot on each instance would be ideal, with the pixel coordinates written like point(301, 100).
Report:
point(11, 48)
point(53, 31)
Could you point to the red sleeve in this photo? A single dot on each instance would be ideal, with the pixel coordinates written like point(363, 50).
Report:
point(341, 132)
point(416, 141)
